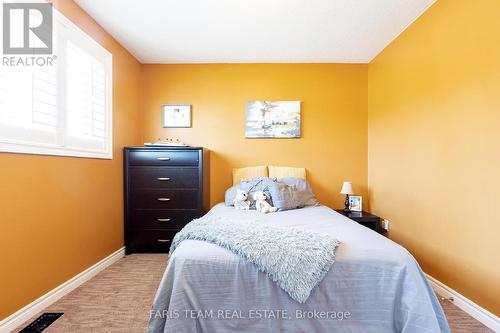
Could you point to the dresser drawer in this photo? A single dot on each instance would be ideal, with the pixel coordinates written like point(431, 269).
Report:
point(162, 218)
point(172, 158)
point(151, 240)
point(163, 177)
point(165, 199)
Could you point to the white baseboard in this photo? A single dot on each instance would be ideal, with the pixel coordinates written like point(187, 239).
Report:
point(30, 310)
point(480, 314)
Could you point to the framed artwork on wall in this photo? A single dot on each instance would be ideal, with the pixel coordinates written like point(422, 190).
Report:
point(280, 119)
point(176, 115)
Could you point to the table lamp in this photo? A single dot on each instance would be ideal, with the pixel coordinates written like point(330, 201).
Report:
point(347, 190)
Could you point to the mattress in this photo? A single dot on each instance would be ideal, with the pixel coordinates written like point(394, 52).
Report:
point(375, 285)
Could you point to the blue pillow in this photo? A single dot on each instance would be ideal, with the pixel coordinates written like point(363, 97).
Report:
point(250, 185)
point(285, 197)
point(302, 189)
point(285, 193)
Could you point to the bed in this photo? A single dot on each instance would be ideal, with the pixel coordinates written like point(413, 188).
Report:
point(375, 285)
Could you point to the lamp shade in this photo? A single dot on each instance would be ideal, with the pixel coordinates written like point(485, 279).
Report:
point(346, 188)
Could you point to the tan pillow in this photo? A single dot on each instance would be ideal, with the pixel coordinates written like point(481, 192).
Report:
point(282, 172)
point(249, 172)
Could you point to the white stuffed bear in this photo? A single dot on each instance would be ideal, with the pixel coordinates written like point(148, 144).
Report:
point(261, 204)
point(241, 200)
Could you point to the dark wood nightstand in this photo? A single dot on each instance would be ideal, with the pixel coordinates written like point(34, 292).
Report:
point(368, 220)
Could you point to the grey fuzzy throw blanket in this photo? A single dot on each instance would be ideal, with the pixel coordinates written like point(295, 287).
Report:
point(297, 260)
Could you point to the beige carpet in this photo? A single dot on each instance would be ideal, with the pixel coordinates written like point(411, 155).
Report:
point(119, 299)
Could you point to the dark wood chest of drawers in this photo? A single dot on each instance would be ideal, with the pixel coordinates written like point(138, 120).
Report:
point(165, 188)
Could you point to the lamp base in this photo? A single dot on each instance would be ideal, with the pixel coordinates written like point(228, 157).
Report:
point(346, 203)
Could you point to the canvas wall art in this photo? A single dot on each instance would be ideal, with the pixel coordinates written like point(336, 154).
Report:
point(279, 119)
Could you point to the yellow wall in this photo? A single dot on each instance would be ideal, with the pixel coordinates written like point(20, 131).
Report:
point(434, 140)
point(333, 146)
point(60, 215)
point(430, 115)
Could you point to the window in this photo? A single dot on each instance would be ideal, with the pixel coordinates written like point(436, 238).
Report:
point(63, 109)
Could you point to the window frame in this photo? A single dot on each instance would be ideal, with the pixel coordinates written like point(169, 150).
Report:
point(10, 146)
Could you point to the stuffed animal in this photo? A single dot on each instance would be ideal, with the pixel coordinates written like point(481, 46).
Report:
point(261, 204)
point(241, 200)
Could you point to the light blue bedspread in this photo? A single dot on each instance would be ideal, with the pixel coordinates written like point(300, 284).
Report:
point(374, 286)
point(297, 260)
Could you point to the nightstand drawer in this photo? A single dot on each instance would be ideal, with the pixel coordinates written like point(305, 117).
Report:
point(374, 225)
point(162, 218)
point(172, 158)
point(366, 219)
point(163, 177)
point(165, 199)
point(151, 240)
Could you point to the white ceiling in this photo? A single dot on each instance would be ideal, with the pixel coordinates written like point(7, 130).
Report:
point(254, 31)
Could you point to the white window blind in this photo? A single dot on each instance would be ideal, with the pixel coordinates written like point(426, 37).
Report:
point(63, 109)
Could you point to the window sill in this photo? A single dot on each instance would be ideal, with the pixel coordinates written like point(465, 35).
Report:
point(53, 151)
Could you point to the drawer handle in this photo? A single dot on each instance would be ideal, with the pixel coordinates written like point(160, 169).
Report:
point(162, 178)
point(163, 199)
point(163, 240)
point(163, 220)
point(163, 158)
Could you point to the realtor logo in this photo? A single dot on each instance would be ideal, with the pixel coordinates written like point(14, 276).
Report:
point(27, 28)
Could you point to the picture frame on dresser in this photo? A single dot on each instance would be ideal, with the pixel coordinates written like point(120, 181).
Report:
point(164, 189)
